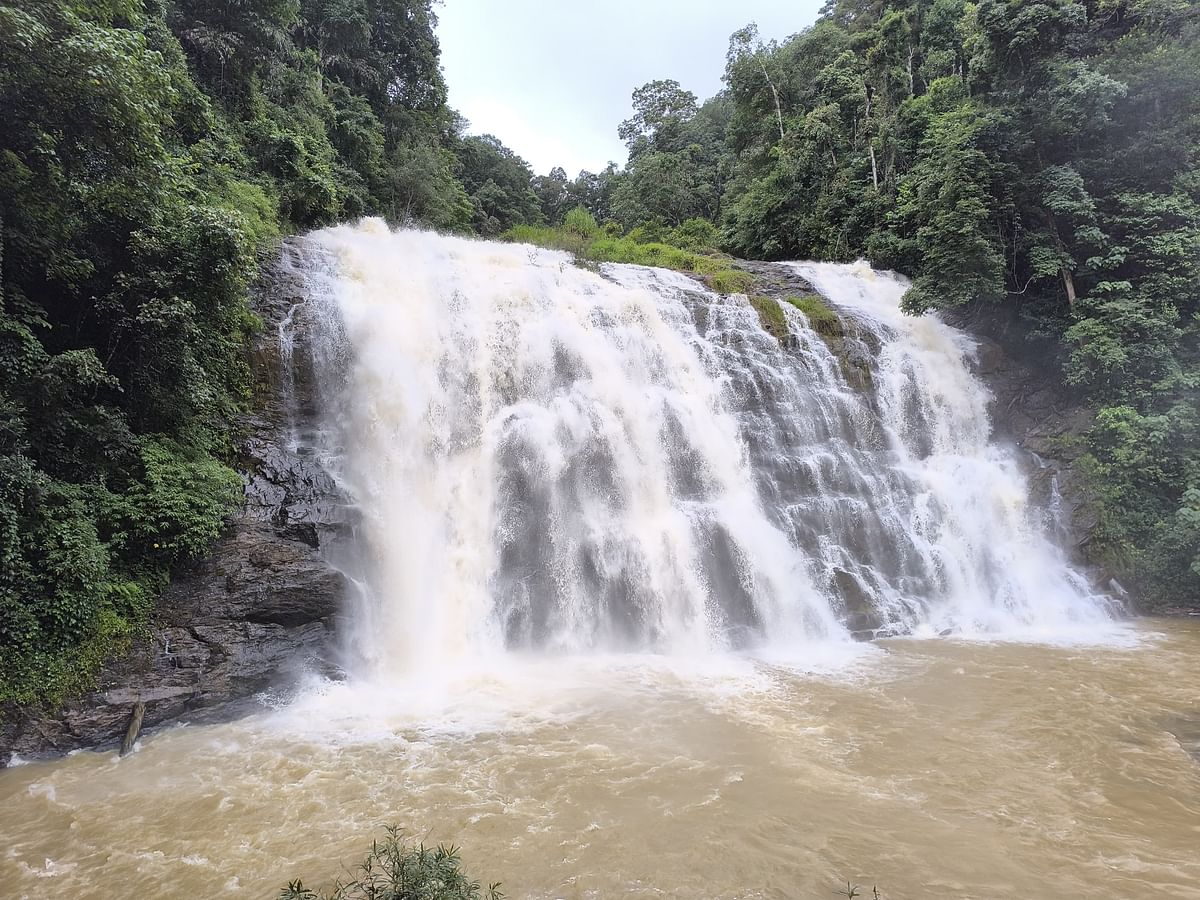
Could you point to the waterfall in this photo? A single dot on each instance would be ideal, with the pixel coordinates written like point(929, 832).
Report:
point(550, 458)
point(967, 549)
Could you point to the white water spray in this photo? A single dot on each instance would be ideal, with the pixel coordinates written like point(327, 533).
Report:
point(983, 559)
point(547, 458)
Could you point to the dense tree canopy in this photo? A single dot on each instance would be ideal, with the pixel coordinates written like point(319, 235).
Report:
point(499, 185)
point(149, 152)
point(1029, 158)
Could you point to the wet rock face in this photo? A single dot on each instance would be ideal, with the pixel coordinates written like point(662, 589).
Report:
point(1034, 410)
point(855, 347)
point(259, 611)
point(860, 612)
point(1030, 408)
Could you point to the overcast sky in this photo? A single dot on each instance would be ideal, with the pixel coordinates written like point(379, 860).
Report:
point(552, 78)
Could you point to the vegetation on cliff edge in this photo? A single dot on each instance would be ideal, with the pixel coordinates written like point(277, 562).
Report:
point(688, 248)
point(151, 152)
point(1036, 160)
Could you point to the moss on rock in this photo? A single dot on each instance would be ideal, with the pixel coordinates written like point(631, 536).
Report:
point(823, 320)
point(771, 315)
point(730, 281)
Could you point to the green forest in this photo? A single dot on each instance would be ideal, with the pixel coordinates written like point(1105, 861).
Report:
point(1027, 158)
point(1033, 160)
point(151, 156)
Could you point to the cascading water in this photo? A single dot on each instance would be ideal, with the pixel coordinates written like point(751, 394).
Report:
point(544, 458)
point(954, 541)
point(548, 458)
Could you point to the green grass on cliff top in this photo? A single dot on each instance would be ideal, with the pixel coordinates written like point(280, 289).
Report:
point(584, 238)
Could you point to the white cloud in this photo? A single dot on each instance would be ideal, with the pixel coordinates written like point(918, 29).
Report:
point(553, 80)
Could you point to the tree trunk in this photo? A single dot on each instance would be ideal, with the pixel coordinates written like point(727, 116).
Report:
point(135, 728)
point(1069, 283)
point(1068, 279)
point(774, 93)
point(870, 146)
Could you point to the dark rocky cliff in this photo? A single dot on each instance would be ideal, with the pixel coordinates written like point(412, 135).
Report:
point(1032, 408)
point(260, 610)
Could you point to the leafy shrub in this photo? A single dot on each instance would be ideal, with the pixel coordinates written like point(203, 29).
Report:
point(770, 314)
point(654, 231)
point(694, 234)
point(179, 507)
point(1142, 479)
point(821, 318)
point(730, 281)
point(396, 870)
point(581, 222)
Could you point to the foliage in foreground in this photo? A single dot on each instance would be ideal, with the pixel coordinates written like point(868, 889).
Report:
point(397, 870)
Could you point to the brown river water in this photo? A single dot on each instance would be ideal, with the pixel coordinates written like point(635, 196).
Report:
point(931, 768)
